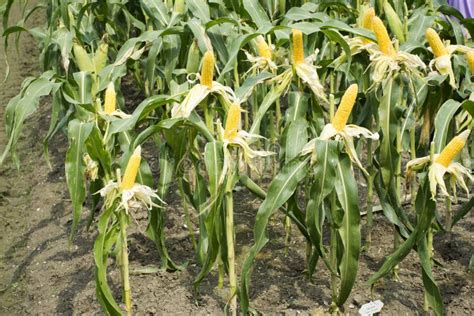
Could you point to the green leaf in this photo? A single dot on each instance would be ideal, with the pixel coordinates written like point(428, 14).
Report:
point(272, 95)
point(78, 132)
point(257, 13)
point(425, 208)
point(469, 107)
point(299, 13)
point(200, 34)
point(391, 208)
point(246, 89)
point(99, 152)
point(281, 189)
point(296, 138)
point(346, 188)
point(442, 121)
point(63, 38)
point(298, 104)
point(156, 224)
point(84, 81)
point(234, 49)
point(22, 106)
point(295, 214)
point(432, 292)
point(157, 11)
point(200, 9)
point(465, 209)
point(388, 154)
point(104, 237)
point(141, 112)
point(417, 25)
point(214, 158)
point(335, 36)
point(341, 26)
point(54, 126)
point(327, 155)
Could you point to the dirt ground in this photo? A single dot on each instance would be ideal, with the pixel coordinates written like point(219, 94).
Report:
point(41, 274)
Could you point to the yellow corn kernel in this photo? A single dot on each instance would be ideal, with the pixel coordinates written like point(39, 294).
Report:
point(298, 50)
point(207, 71)
point(110, 99)
point(345, 107)
point(367, 22)
point(132, 170)
point(453, 149)
point(367, 19)
point(232, 122)
point(385, 44)
point(435, 43)
point(470, 61)
point(263, 49)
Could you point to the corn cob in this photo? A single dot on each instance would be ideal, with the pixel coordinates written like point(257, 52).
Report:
point(394, 22)
point(345, 107)
point(100, 57)
point(207, 71)
point(110, 99)
point(83, 60)
point(470, 61)
point(179, 6)
point(192, 64)
point(453, 149)
point(263, 49)
point(367, 22)
point(436, 44)
point(383, 39)
point(132, 170)
point(298, 51)
point(367, 19)
point(232, 122)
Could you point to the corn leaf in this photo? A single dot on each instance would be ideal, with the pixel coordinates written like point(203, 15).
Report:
point(465, 209)
point(425, 208)
point(257, 13)
point(274, 93)
point(214, 159)
point(281, 189)
point(325, 175)
point(388, 125)
point(105, 236)
point(200, 9)
point(78, 132)
point(200, 34)
point(349, 231)
point(246, 89)
point(84, 82)
point(156, 224)
point(234, 50)
point(140, 113)
point(157, 11)
point(296, 215)
point(469, 107)
point(432, 292)
point(22, 106)
point(296, 138)
point(57, 106)
point(98, 152)
point(391, 208)
point(442, 122)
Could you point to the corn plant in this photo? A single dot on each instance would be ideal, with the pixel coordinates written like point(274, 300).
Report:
point(319, 96)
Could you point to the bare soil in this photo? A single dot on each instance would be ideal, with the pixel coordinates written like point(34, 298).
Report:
point(42, 274)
